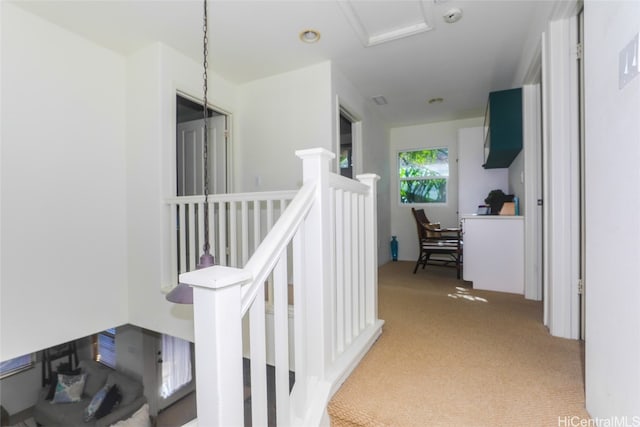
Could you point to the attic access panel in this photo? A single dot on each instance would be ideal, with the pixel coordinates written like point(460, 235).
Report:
point(381, 22)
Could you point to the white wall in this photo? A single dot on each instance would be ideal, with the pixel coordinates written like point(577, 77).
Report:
point(474, 181)
point(275, 117)
point(154, 75)
point(432, 135)
point(516, 178)
point(373, 155)
point(64, 252)
point(612, 176)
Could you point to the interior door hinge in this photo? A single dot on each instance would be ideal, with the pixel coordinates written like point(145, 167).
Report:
point(579, 51)
point(580, 287)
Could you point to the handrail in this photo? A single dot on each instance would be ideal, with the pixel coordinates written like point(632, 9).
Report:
point(266, 256)
point(343, 183)
point(234, 197)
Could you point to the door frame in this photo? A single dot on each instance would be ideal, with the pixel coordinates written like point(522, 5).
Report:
point(532, 132)
point(227, 133)
point(561, 182)
point(356, 137)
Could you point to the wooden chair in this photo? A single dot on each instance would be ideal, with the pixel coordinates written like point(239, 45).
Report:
point(434, 239)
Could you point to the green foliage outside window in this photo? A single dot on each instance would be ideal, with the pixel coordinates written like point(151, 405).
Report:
point(423, 175)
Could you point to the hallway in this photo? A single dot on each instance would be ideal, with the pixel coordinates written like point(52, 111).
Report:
point(449, 355)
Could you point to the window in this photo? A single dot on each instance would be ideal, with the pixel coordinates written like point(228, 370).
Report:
point(176, 365)
point(423, 175)
point(15, 365)
point(105, 345)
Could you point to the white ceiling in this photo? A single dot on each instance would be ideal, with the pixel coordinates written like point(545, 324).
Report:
point(460, 62)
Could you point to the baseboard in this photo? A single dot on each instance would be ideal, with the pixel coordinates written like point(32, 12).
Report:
point(342, 367)
point(351, 358)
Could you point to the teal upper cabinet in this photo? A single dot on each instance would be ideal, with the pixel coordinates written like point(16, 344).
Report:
point(503, 128)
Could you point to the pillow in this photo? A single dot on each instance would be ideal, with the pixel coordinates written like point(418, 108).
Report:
point(140, 418)
point(54, 380)
point(69, 388)
point(96, 401)
point(130, 389)
point(111, 400)
point(431, 230)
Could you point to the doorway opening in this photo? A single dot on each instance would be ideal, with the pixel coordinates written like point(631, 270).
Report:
point(346, 147)
point(190, 149)
point(349, 148)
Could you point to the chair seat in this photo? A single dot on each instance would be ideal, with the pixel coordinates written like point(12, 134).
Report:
point(440, 243)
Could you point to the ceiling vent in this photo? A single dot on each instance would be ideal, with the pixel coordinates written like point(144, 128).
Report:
point(380, 100)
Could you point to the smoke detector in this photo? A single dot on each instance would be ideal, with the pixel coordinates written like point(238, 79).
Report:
point(452, 15)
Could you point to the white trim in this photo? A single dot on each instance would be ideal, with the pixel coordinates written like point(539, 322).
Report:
point(367, 39)
point(356, 138)
point(561, 179)
point(532, 143)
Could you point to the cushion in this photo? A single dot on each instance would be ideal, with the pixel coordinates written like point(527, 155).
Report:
point(96, 401)
point(431, 227)
point(69, 388)
point(96, 376)
point(62, 369)
point(110, 401)
point(140, 418)
point(129, 388)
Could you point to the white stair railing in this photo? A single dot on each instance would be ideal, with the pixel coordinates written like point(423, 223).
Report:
point(328, 233)
point(237, 224)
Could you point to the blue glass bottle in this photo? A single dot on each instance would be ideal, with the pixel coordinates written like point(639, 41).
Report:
point(394, 248)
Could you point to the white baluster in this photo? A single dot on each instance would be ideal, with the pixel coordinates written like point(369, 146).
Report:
point(371, 247)
point(183, 237)
point(299, 325)
point(173, 242)
point(192, 246)
point(258, 352)
point(257, 238)
point(340, 260)
point(353, 253)
point(222, 233)
point(233, 234)
point(244, 212)
point(281, 332)
point(362, 303)
point(348, 268)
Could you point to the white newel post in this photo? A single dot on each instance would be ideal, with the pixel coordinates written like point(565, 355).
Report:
point(371, 247)
point(218, 343)
point(315, 168)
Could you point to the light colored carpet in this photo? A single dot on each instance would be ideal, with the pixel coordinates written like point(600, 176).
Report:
point(453, 356)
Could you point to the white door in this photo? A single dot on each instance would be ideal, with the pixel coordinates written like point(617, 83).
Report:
point(190, 160)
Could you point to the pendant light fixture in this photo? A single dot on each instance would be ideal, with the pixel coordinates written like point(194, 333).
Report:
point(183, 294)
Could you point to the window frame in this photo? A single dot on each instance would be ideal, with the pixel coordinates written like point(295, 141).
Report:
point(100, 356)
point(22, 366)
point(400, 179)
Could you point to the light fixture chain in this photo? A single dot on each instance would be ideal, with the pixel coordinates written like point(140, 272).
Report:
point(205, 154)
